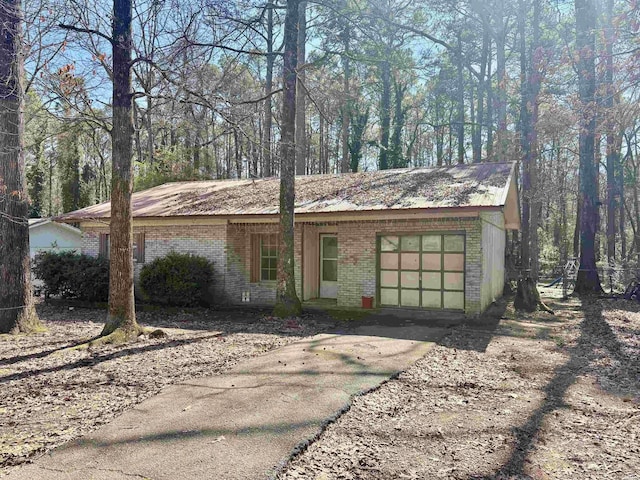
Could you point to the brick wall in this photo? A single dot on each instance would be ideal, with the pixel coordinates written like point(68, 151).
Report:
point(208, 241)
point(229, 248)
point(357, 256)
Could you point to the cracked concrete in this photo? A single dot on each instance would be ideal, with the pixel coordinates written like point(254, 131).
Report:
point(243, 424)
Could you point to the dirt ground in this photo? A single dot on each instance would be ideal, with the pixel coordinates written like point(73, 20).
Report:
point(528, 396)
point(50, 395)
point(525, 396)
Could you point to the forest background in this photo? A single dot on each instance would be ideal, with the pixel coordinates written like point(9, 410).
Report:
point(381, 84)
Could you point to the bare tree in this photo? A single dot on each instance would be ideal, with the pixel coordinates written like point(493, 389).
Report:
point(588, 280)
point(17, 310)
point(121, 320)
point(121, 324)
point(301, 94)
point(287, 301)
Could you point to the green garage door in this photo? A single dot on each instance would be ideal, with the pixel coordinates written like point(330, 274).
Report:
point(422, 271)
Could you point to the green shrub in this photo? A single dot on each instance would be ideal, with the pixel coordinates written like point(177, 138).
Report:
point(73, 275)
point(178, 279)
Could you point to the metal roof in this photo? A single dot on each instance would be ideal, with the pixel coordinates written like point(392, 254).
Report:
point(469, 185)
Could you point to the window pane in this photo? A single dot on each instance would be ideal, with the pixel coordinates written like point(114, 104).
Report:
point(431, 243)
point(389, 261)
point(388, 296)
point(454, 261)
point(389, 278)
point(410, 261)
point(454, 300)
point(330, 247)
point(431, 299)
point(410, 279)
point(454, 243)
point(411, 244)
point(431, 261)
point(454, 281)
point(268, 257)
point(431, 280)
point(410, 298)
point(330, 270)
point(389, 244)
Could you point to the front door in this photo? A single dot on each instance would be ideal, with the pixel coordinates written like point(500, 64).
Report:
point(328, 266)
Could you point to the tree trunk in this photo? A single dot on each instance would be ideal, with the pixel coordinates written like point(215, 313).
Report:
point(395, 146)
point(612, 150)
point(588, 280)
point(301, 94)
point(287, 301)
point(121, 322)
point(477, 131)
point(621, 214)
point(635, 191)
point(385, 114)
point(268, 87)
point(346, 104)
point(501, 87)
point(17, 310)
point(358, 126)
point(460, 101)
point(489, 118)
point(527, 296)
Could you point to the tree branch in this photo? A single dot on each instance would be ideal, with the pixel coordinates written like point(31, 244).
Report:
point(91, 31)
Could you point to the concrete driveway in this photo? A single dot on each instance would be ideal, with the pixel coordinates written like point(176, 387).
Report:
point(243, 424)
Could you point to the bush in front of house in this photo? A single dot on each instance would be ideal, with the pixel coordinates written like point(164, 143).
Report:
point(72, 275)
point(179, 279)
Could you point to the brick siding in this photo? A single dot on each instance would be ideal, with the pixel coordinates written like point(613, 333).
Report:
point(229, 248)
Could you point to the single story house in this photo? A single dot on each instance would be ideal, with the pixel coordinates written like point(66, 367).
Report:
point(45, 235)
point(419, 238)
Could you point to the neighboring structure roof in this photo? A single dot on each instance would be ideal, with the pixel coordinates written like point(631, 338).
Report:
point(472, 185)
point(40, 222)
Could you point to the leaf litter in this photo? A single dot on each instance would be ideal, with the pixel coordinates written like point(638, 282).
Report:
point(529, 397)
point(52, 394)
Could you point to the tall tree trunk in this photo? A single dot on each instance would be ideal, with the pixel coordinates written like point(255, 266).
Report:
point(385, 113)
point(635, 191)
point(268, 88)
point(396, 159)
point(321, 145)
point(301, 94)
point(501, 88)
point(287, 301)
point(17, 310)
point(477, 131)
point(460, 101)
point(121, 322)
point(588, 280)
point(621, 214)
point(489, 117)
point(149, 127)
point(347, 103)
point(612, 150)
point(527, 296)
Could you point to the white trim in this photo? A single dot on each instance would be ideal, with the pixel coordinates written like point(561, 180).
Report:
point(48, 221)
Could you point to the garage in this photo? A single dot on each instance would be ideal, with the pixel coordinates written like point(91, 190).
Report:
point(422, 270)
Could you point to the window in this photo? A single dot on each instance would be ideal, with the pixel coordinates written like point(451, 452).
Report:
point(264, 258)
point(138, 247)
